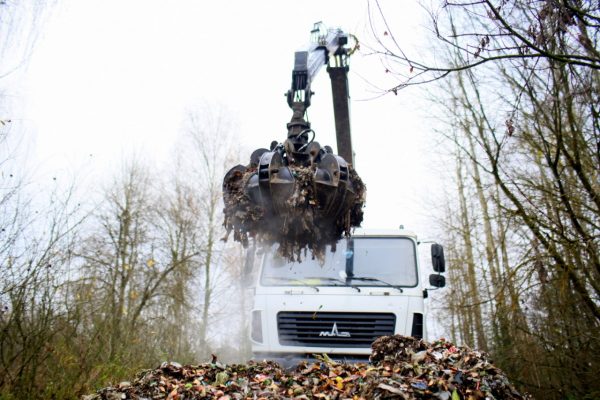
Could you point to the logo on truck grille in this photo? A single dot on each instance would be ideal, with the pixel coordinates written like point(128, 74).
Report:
point(334, 332)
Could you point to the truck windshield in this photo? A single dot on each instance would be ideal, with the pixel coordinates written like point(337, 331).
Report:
point(363, 261)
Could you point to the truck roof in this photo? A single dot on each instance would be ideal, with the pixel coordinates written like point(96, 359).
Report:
point(384, 232)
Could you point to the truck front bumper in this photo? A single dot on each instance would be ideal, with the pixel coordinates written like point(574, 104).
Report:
point(291, 361)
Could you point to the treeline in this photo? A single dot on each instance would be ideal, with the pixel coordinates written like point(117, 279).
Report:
point(95, 287)
point(518, 86)
point(523, 232)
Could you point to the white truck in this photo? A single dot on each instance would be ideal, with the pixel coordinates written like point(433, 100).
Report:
point(371, 286)
point(339, 302)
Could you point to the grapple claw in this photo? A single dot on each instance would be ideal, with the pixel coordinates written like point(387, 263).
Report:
point(271, 184)
point(302, 201)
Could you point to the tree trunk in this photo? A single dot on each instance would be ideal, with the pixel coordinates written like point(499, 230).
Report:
point(473, 292)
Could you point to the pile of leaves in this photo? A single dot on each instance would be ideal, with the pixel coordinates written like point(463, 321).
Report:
point(440, 370)
point(300, 225)
point(401, 367)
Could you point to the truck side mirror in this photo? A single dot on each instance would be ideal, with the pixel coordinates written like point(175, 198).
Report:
point(437, 258)
point(436, 280)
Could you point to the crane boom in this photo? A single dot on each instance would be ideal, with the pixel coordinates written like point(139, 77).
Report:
point(341, 111)
point(297, 193)
point(327, 47)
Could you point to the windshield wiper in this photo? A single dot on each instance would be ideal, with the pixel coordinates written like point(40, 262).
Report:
point(369, 279)
point(337, 280)
point(302, 282)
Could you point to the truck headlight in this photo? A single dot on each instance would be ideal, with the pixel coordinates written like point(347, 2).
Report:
point(256, 333)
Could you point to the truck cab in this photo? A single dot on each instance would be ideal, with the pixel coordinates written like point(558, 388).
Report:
point(370, 285)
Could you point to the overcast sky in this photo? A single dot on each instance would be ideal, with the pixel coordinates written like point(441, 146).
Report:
point(112, 78)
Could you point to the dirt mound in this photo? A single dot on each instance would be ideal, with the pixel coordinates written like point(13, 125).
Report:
point(401, 367)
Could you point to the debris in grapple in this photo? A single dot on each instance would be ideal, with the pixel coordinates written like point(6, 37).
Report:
point(301, 206)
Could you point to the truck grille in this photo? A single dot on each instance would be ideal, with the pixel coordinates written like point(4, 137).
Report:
point(324, 329)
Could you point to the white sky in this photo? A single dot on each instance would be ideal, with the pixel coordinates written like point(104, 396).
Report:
point(112, 78)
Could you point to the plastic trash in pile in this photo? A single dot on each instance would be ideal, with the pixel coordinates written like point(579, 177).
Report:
point(401, 368)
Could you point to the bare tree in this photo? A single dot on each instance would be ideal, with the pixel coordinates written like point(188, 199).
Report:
point(38, 236)
point(492, 31)
point(209, 131)
point(521, 105)
point(539, 175)
point(19, 27)
point(179, 224)
point(127, 268)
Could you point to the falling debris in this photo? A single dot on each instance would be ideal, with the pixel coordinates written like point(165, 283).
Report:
point(401, 367)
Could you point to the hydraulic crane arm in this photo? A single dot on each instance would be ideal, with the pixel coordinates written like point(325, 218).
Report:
point(296, 192)
point(327, 47)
